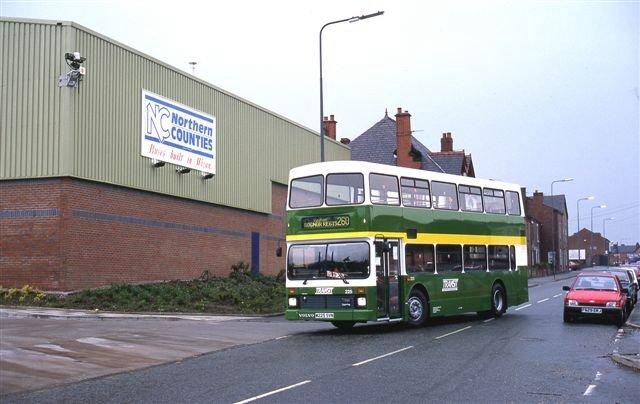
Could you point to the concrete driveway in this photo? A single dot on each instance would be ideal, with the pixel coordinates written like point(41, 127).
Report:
point(40, 348)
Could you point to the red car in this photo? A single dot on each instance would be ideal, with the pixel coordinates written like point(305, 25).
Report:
point(596, 295)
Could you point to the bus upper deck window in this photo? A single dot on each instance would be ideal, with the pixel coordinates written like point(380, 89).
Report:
point(307, 192)
point(345, 189)
point(384, 189)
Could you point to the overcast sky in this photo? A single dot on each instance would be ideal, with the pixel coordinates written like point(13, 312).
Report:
point(535, 91)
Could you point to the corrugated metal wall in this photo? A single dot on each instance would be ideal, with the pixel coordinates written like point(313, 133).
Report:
point(31, 127)
point(94, 132)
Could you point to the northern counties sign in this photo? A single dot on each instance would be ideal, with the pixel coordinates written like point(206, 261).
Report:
point(177, 134)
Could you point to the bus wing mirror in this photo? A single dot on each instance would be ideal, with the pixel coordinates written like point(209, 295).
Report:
point(279, 252)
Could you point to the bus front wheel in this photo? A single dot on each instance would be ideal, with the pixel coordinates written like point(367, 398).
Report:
point(498, 300)
point(417, 308)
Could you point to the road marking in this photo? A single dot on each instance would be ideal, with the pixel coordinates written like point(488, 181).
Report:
point(283, 337)
point(489, 319)
point(543, 300)
point(598, 376)
point(273, 392)
point(382, 356)
point(523, 307)
point(589, 390)
point(453, 332)
point(558, 295)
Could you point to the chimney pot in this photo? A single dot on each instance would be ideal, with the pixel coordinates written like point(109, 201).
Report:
point(330, 127)
point(399, 110)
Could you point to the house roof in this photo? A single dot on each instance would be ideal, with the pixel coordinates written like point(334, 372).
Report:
point(378, 145)
point(451, 163)
point(626, 249)
point(558, 202)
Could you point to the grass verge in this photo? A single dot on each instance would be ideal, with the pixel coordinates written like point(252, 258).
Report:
point(240, 293)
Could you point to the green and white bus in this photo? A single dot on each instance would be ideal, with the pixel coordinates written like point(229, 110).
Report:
point(371, 242)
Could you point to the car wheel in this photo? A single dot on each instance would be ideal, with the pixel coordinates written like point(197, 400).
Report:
point(417, 308)
point(498, 301)
point(566, 317)
point(343, 325)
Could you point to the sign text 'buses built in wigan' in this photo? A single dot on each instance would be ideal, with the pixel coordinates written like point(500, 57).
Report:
point(177, 134)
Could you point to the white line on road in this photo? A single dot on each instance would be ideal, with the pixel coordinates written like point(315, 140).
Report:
point(589, 390)
point(543, 300)
point(283, 337)
point(272, 392)
point(453, 332)
point(489, 319)
point(558, 295)
point(382, 356)
point(598, 376)
point(523, 307)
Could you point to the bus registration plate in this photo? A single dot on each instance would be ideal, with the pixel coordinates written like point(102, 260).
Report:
point(324, 315)
point(592, 310)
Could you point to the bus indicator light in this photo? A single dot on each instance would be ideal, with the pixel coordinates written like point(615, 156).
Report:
point(292, 291)
point(360, 291)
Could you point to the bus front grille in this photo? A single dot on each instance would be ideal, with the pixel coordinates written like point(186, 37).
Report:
point(327, 302)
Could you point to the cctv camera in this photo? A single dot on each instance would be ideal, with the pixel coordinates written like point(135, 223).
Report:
point(74, 60)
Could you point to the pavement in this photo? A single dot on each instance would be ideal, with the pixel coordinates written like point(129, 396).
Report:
point(626, 350)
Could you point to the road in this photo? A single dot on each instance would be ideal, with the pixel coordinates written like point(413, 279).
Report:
point(528, 355)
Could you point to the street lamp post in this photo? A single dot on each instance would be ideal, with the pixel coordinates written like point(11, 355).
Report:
point(591, 235)
point(553, 231)
point(587, 198)
point(604, 236)
point(352, 19)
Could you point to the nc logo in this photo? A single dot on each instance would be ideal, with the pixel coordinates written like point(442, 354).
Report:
point(157, 121)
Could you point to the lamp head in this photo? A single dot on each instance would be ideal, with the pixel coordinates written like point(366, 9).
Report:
point(364, 17)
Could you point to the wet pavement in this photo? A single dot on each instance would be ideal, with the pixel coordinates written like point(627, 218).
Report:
point(41, 348)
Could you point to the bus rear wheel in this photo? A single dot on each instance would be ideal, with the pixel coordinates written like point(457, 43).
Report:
point(343, 325)
point(417, 308)
point(498, 300)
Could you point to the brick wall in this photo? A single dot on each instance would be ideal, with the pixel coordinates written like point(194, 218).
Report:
point(544, 214)
point(68, 234)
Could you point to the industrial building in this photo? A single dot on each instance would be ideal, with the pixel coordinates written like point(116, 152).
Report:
point(121, 168)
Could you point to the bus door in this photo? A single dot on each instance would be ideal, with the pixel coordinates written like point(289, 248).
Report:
point(388, 278)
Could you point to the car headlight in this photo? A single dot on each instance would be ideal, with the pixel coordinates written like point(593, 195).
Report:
point(612, 304)
point(293, 302)
point(361, 301)
point(572, 302)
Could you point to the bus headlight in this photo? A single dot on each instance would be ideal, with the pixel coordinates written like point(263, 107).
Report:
point(572, 302)
point(361, 302)
point(293, 301)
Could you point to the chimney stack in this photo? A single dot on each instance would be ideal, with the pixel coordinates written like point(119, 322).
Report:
point(330, 127)
point(446, 142)
point(404, 141)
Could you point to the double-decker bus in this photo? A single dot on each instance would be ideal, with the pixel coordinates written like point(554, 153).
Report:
point(371, 242)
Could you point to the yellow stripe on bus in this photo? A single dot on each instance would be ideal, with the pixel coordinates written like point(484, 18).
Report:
point(423, 238)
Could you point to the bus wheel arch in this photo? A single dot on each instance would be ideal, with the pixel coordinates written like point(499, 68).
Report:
point(418, 306)
point(498, 298)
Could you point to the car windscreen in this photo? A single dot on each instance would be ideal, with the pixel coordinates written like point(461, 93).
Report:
point(623, 276)
point(595, 283)
point(328, 261)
